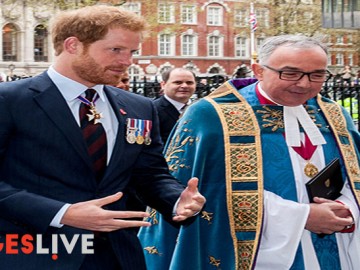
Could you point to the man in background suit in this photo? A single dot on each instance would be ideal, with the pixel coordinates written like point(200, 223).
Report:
point(178, 85)
point(52, 180)
point(124, 82)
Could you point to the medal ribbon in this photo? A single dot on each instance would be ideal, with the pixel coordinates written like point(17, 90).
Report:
point(87, 102)
point(148, 125)
point(306, 149)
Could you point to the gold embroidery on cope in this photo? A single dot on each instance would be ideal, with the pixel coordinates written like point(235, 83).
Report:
point(207, 216)
point(238, 120)
point(153, 216)
point(242, 165)
point(275, 118)
point(152, 250)
point(245, 259)
point(214, 261)
point(245, 210)
point(338, 124)
point(243, 162)
point(175, 148)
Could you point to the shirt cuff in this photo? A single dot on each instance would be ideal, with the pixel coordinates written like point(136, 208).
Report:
point(56, 220)
point(350, 228)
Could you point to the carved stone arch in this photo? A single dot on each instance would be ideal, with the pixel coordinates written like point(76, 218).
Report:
point(192, 67)
point(220, 69)
point(165, 66)
point(220, 2)
point(215, 33)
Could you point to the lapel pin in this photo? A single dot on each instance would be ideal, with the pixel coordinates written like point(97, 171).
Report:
point(123, 112)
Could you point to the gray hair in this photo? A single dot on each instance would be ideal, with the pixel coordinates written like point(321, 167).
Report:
point(297, 41)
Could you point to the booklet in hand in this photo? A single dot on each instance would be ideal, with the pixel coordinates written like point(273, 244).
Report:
point(327, 184)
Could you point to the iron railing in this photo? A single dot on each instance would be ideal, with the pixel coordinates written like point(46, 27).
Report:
point(346, 94)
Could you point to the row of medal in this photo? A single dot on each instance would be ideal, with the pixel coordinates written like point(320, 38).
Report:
point(138, 131)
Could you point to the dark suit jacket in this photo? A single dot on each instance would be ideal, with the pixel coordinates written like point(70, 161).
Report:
point(44, 164)
point(168, 115)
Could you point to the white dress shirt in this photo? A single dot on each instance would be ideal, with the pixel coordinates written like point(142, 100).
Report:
point(70, 90)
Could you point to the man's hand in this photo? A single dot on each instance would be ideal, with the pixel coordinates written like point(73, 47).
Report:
point(91, 216)
point(191, 201)
point(327, 217)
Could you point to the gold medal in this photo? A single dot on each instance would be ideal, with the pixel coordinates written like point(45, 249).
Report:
point(310, 170)
point(139, 139)
point(147, 140)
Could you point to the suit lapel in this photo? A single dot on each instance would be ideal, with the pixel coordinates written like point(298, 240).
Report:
point(54, 105)
point(119, 109)
point(170, 109)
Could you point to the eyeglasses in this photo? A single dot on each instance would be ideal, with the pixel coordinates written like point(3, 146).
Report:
point(288, 75)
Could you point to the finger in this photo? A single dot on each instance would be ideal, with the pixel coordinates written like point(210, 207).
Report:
point(121, 224)
point(338, 206)
point(345, 221)
point(193, 184)
point(321, 200)
point(178, 218)
point(131, 223)
point(108, 199)
point(128, 214)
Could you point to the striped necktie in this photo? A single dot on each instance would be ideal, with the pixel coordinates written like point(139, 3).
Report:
point(94, 135)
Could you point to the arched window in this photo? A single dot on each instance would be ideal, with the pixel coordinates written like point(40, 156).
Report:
point(10, 42)
point(214, 70)
point(41, 44)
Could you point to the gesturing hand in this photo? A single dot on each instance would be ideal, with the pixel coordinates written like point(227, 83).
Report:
point(191, 201)
point(91, 216)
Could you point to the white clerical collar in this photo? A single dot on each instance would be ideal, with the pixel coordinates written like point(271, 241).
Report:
point(292, 117)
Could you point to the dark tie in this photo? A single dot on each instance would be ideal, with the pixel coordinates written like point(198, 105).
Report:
point(94, 135)
point(182, 110)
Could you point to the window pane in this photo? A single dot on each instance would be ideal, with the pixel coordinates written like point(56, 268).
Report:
point(166, 13)
point(240, 18)
point(41, 44)
point(188, 14)
point(9, 43)
point(240, 47)
point(165, 44)
point(134, 7)
point(188, 45)
point(214, 16)
point(214, 49)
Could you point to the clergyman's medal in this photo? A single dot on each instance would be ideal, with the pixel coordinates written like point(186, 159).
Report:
point(306, 151)
point(310, 170)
